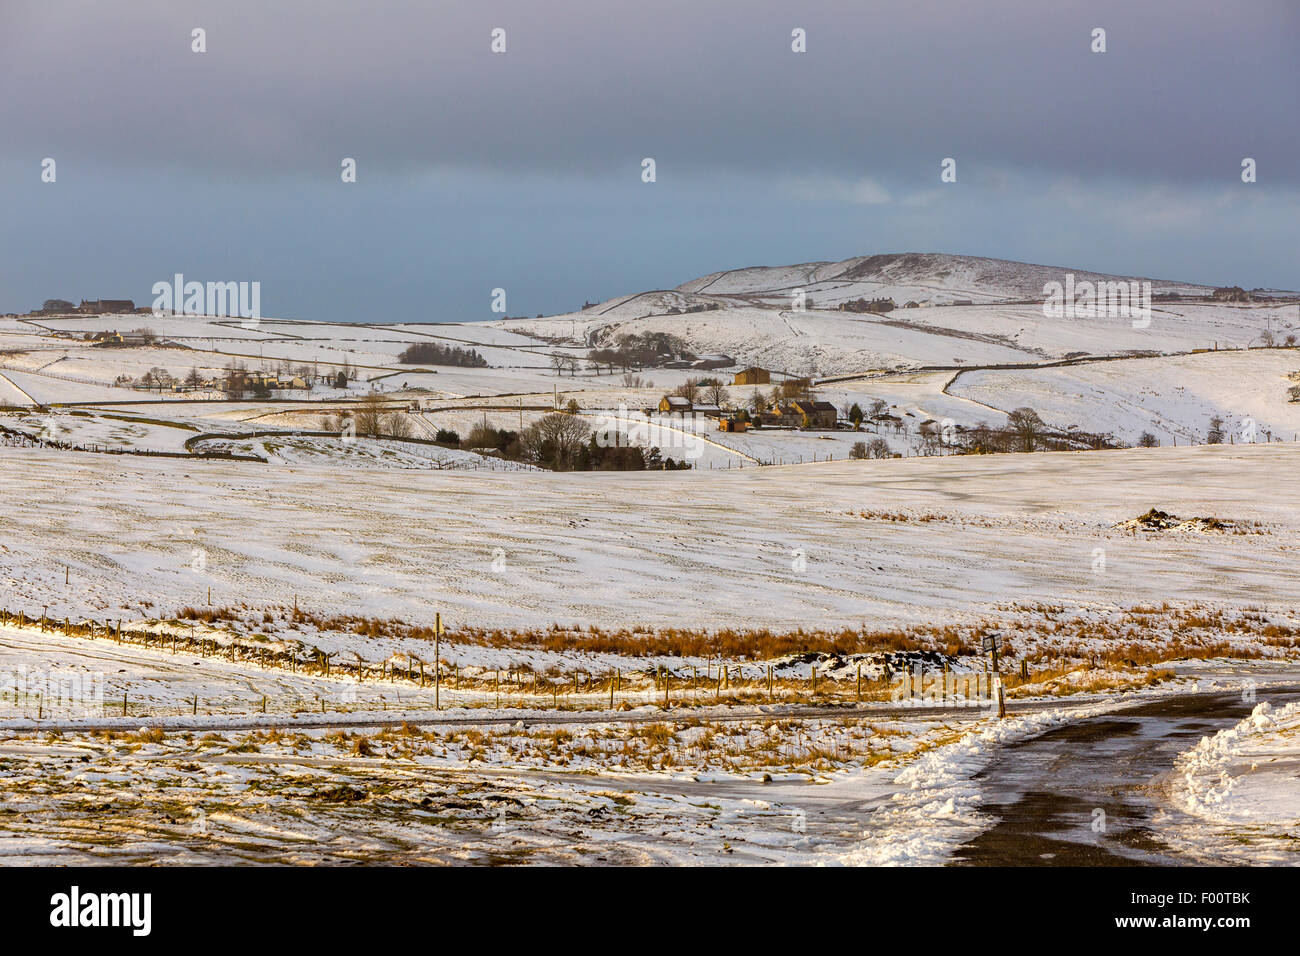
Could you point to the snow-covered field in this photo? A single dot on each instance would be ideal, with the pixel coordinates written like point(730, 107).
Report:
point(883, 541)
point(351, 549)
point(1172, 398)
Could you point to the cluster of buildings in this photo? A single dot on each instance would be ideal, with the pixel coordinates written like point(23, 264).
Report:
point(796, 413)
point(108, 307)
point(804, 412)
point(684, 406)
point(237, 382)
point(114, 338)
point(253, 381)
point(800, 413)
point(89, 307)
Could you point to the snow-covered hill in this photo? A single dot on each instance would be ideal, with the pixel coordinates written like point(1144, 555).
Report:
point(964, 310)
point(932, 278)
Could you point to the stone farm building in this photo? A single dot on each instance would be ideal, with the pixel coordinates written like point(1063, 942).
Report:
point(105, 306)
point(821, 415)
point(752, 376)
point(684, 406)
point(713, 360)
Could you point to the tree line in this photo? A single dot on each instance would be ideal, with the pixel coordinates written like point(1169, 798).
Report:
point(435, 353)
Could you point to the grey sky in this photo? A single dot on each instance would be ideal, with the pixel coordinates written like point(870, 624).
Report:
point(522, 170)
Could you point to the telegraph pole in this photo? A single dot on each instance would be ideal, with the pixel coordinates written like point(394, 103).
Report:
point(437, 660)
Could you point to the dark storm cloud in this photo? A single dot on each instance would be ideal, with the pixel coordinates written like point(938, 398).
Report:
point(886, 89)
point(522, 170)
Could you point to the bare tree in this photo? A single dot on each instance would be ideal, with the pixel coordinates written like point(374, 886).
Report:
point(793, 388)
point(689, 390)
point(370, 415)
point(397, 425)
point(555, 439)
point(1027, 426)
point(158, 378)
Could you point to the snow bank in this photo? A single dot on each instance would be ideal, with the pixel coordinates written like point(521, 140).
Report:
point(937, 807)
point(1245, 774)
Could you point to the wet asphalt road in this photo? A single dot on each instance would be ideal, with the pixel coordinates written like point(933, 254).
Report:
point(1087, 793)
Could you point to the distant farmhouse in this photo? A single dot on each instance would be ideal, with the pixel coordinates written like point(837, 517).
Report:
point(684, 406)
point(87, 307)
point(802, 413)
point(241, 381)
point(105, 306)
point(674, 403)
point(821, 415)
point(752, 376)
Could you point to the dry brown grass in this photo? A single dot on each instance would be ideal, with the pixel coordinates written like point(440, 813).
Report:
point(208, 615)
point(728, 643)
point(146, 735)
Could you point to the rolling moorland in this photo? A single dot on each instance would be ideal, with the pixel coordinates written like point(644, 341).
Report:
point(236, 539)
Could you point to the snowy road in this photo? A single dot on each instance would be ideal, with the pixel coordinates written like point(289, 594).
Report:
point(1089, 793)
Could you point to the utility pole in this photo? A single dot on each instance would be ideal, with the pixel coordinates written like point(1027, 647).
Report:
point(437, 660)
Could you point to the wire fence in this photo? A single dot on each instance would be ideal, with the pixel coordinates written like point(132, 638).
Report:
point(350, 684)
